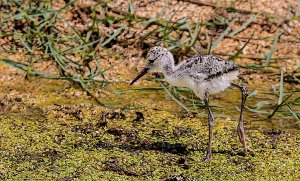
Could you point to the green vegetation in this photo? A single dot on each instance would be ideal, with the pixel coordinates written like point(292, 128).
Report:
point(67, 113)
point(58, 143)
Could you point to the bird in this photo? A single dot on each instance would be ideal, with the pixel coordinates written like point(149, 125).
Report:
point(204, 75)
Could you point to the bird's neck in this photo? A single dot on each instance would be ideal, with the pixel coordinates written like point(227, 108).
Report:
point(167, 65)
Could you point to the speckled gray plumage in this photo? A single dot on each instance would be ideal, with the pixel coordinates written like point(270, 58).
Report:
point(201, 73)
point(208, 66)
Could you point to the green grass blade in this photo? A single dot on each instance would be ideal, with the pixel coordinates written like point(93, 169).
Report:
point(296, 101)
point(113, 36)
point(57, 57)
point(253, 93)
point(105, 70)
point(278, 106)
point(221, 37)
point(293, 113)
point(163, 9)
point(208, 39)
point(298, 9)
point(44, 13)
point(12, 63)
point(268, 59)
point(76, 33)
point(131, 7)
point(255, 111)
point(84, 87)
point(88, 35)
point(245, 25)
point(195, 34)
point(281, 88)
point(174, 98)
point(138, 89)
point(67, 5)
point(81, 46)
point(24, 68)
point(27, 46)
point(236, 55)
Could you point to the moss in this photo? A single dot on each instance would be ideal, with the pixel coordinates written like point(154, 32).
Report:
point(80, 150)
point(49, 134)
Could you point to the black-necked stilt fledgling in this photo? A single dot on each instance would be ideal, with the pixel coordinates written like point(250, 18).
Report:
point(204, 75)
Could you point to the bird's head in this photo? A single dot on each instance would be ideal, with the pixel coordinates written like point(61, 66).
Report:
point(157, 56)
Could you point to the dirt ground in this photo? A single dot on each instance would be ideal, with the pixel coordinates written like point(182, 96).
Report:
point(52, 129)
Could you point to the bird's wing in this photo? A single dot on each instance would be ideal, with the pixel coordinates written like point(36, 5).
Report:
point(208, 66)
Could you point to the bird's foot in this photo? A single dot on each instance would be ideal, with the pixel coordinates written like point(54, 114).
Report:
point(249, 150)
point(207, 158)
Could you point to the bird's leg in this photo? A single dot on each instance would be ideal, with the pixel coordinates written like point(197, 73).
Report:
point(210, 126)
point(240, 128)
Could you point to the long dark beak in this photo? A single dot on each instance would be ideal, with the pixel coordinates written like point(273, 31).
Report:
point(142, 73)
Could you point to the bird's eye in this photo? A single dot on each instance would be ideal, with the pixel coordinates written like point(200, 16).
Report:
point(151, 60)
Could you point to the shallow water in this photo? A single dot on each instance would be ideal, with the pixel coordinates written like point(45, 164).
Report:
point(224, 105)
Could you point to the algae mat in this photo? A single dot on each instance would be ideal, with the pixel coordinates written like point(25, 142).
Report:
point(54, 131)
